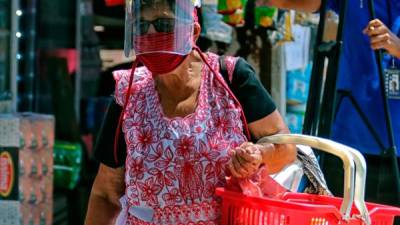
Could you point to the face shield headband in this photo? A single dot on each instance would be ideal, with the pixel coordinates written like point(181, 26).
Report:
point(158, 26)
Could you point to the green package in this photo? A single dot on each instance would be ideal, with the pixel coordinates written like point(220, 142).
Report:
point(67, 164)
point(230, 6)
point(264, 16)
point(235, 19)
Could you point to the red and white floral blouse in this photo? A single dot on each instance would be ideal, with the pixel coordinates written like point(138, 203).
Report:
point(173, 165)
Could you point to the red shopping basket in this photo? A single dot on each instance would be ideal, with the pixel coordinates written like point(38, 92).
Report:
point(295, 209)
point(306, 209)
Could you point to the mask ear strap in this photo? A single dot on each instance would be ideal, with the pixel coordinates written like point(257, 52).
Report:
point(121, 116)
point(220, 79)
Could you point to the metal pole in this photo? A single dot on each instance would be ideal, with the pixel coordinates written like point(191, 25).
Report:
point(312, 110)
point(78, 75)
point(329, 97)
point(13, 54)
point(30, 62)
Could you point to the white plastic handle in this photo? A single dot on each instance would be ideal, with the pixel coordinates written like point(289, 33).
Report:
point(360, 179)
point(352, 189)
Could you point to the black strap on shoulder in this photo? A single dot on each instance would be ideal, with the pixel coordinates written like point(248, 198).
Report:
point(223, 70)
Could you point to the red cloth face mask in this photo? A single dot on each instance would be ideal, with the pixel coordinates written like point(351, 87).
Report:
point(160, 63)
point(155, 60)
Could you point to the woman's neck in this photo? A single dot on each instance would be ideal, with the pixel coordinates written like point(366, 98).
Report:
point(182, 82)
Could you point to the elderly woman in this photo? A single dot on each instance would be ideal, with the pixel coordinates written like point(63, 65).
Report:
point(183, 123)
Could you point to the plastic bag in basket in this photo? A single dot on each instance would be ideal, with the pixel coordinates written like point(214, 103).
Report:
point(258, 185)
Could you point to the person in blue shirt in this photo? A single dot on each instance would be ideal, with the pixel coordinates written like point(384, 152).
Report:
point(358, 73)
point(358, 70)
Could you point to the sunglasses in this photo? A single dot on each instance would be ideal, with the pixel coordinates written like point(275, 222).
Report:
point(161, 25)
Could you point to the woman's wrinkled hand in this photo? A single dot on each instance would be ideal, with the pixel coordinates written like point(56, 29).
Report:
point(245, 160)
point(382, 38)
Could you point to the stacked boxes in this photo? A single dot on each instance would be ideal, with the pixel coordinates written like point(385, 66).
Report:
point(26, 169)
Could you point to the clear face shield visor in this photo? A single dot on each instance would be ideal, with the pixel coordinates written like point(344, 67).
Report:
point(159, 26)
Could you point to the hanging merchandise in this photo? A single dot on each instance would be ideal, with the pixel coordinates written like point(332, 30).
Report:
point(283, 29)
point(297, 85)
point(236, 19)
point(265, 16)
point(213, 28)
point(233, 11)
point(306, 19)
point(297, 52)
point(298, 74)
point(228, 7)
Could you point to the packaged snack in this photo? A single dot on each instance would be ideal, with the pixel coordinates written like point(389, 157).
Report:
point(265, 16)
point(235, 19)
point(233, 11)
point(67, 164)
point(230, 6)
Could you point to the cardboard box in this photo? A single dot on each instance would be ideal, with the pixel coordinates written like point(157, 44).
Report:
point(26, 169)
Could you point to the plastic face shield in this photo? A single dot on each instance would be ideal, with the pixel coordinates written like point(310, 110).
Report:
point(158, 26)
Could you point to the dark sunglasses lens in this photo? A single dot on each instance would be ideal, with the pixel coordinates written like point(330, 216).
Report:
point(143, 27)
point(166, 25)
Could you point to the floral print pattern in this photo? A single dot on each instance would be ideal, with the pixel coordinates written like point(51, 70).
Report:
point(174, 165)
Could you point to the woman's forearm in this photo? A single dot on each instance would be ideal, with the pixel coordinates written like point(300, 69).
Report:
point(101, 211)
point(108, 188)
point(276, 157)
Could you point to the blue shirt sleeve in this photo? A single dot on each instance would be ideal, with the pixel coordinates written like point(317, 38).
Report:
point(396, 26)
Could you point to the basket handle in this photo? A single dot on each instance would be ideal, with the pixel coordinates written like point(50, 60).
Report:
point(350, 158)
point(360, 179)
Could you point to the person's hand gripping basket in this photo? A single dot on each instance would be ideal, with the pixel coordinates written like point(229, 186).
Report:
point(307, 209)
